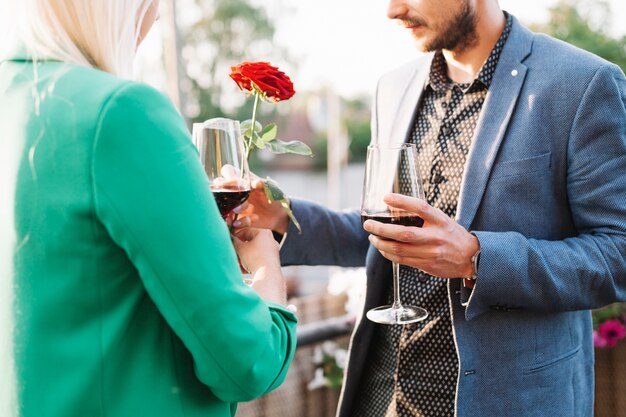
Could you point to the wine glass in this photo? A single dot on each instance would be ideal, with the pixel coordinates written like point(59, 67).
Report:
point(222, 154)
point(392, 169)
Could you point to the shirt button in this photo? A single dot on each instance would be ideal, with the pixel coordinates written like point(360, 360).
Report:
point(514, 73)
point(444, 104)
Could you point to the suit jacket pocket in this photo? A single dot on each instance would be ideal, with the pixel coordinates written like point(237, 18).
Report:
point(518, 167)
point(550, 363)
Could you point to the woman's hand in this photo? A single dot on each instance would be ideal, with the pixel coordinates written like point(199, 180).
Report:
point(256, 249)
point(258, 254)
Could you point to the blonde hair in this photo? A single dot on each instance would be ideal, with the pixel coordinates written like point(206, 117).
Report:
point(102, 34)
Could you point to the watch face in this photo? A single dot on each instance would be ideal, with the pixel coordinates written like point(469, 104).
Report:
point(475, 261)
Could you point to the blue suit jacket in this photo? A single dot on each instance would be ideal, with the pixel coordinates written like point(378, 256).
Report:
point(544, 189)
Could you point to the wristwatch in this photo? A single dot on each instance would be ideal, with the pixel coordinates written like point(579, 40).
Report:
point(475, 259)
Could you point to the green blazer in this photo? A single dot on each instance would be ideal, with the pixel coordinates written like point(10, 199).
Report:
point(128, 296)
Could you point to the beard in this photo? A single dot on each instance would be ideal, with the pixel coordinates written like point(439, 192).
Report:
point(455, 34)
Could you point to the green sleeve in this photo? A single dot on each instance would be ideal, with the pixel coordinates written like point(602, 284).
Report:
point(152, 196)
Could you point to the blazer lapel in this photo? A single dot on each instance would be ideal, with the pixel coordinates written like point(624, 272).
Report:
point(493, 122)
point(399, 94)
point(401, 128)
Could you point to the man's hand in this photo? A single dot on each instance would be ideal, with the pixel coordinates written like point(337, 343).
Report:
point(257, 212)
point(441, 247)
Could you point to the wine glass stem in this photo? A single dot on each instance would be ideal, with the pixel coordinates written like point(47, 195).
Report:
point(396, 286)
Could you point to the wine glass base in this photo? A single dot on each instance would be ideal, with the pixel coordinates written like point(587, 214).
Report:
point(402, 315)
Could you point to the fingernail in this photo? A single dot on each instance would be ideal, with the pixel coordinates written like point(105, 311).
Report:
point(237, 223)
point(237, 209)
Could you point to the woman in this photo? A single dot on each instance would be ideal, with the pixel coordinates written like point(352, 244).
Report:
point(127, 297)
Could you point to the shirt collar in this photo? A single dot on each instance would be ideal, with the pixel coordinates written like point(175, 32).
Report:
point(439, 80)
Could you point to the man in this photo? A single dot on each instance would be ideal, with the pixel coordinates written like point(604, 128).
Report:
point(522, 142)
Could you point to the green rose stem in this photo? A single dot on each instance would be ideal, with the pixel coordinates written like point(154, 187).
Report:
point(253, 125)
point(248, 146)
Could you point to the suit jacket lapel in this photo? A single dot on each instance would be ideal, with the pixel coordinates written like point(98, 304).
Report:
point(493, 122)
point(396, 104)
point(402, 126)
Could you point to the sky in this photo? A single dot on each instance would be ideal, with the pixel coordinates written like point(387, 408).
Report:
point(348, 44)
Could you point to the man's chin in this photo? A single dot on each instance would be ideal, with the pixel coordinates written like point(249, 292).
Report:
point(422, 45)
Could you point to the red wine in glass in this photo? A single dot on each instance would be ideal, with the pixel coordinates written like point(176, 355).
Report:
point(227, 200)
point(389, 218)
point(222, 153)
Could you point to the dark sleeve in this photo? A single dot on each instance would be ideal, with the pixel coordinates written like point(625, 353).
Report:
point(328, 237)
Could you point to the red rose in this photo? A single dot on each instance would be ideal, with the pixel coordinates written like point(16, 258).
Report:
point(271, 81)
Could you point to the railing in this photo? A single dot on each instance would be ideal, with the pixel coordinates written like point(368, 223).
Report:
point(321, 318)
point(322, 330)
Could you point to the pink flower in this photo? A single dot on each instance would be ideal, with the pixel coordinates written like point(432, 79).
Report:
point(611, 331)
point(598, 341)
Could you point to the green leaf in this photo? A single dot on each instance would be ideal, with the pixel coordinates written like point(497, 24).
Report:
point(246, 128)
point(268, 133)
point(287, 207)
point(609, 312)
point(258, 141)
point(295, 147)
point(274, 193)
point(272, 190)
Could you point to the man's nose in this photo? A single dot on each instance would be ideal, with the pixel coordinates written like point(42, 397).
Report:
point(397, 9)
